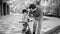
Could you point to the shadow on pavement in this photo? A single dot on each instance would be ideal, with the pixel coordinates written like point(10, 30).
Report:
point(1, 32)
point(55, 30)
point(45, 19)
point(51, 15)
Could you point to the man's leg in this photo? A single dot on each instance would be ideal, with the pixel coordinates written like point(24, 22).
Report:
point(39, 25)
point(34, 27)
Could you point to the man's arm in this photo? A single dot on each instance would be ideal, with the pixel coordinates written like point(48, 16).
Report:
point(30, 19)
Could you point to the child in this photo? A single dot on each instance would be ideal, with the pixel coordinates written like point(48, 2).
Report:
point(26, 18)
point(25, 13)
point(26, 29)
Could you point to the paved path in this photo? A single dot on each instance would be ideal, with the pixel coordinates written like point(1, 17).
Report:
point(10, 24)
point(48, 23)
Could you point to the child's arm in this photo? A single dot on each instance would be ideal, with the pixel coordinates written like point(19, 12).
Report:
point(21, 22)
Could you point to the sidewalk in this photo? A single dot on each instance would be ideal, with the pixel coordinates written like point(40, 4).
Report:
point(49, 23)
point(10, 24)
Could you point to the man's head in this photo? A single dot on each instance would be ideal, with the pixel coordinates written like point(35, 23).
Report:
point(32, 6)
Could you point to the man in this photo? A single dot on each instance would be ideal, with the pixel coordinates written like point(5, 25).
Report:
point(36, 13)
point(39, 19)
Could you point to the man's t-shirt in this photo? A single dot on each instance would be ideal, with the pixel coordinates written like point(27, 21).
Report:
point(36, 13)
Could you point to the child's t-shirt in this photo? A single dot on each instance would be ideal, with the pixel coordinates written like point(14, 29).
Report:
point(25, 18)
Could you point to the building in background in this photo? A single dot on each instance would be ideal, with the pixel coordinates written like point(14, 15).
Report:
point(7, 6)
point(4, 7)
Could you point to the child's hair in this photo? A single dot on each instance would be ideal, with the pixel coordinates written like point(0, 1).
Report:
point(24, 11)
point(33, 6)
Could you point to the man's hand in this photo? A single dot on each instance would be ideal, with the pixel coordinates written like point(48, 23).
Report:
point(32, 16)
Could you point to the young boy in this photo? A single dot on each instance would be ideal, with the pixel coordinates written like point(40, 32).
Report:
point(26, 18)
point(26, 28)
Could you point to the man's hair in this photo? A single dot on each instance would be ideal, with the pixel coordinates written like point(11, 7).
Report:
point(33, 6)
point(24, 11)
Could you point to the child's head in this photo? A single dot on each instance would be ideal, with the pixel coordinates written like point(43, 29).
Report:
point(24, 11)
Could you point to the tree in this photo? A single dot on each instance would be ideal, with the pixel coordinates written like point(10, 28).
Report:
point(57, 9)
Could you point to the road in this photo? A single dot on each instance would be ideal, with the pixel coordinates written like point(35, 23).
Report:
point(10, 24)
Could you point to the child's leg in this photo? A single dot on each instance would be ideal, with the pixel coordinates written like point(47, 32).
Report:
point(24, 31)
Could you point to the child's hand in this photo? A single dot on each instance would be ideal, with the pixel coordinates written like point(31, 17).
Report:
point(31, 14)
point(20, 21)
